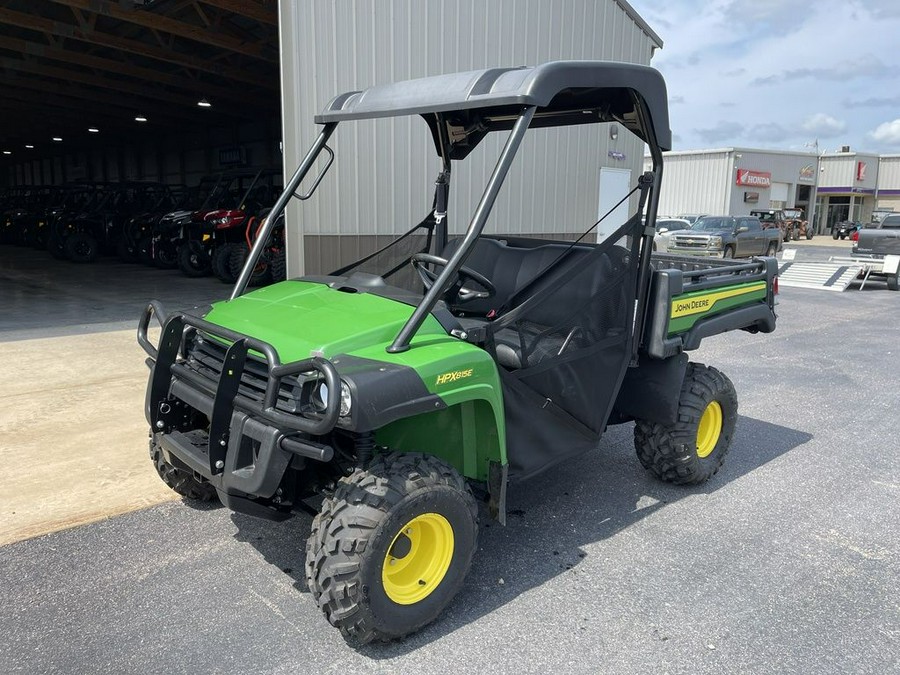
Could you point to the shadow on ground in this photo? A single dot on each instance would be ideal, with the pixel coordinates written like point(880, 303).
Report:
point(550, 519)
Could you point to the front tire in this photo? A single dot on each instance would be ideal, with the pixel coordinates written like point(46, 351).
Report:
point(772, 250)
point(180, 478)
point(221, 263)
point(193, 263)
point(728, 253)
point(391, 548)
point(82, 248)
point(691, 450)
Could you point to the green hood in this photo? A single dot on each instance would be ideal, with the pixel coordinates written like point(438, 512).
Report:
point(299, 318)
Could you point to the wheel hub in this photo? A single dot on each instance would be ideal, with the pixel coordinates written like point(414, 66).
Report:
point(418, 559)
point(709, 429)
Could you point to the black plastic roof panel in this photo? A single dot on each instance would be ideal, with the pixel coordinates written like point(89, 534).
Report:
point(565, 92)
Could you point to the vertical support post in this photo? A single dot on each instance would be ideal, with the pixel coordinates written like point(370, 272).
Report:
point(241, 285)
point(482, 211)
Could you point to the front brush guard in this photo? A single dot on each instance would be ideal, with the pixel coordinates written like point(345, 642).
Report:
point(227, 400)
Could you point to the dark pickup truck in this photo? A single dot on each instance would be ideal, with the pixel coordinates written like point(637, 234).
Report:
point(726, 237)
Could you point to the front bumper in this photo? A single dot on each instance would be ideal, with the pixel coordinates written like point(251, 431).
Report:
point(249, 442)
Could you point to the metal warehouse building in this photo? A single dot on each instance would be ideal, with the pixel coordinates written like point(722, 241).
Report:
point(830, 187)
point(382, 181)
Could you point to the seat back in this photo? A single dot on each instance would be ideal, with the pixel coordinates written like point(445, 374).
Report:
point(513, 269)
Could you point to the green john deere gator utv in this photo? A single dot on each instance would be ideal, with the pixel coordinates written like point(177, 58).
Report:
point(394, 403)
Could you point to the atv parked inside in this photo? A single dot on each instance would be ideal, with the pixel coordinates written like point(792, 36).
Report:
point(394, 400)
point(160, 247)
point(98, 230)
point(139, 227)
point(235, 198)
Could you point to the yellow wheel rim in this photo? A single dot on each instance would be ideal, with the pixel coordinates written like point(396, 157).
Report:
point(417, 559)
point(710, 429)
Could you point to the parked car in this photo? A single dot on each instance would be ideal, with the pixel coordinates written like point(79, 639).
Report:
point(691, 217)
point(665, 228)
point(846, 229)
point(727, 237)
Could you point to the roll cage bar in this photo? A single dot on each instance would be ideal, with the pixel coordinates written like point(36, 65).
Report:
point(460, 109)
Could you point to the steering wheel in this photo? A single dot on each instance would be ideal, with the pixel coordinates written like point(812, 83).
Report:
point(457, 293)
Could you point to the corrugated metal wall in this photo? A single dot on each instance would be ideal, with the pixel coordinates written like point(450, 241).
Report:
point(696, 183)
point(382, 179)
point(889, 173)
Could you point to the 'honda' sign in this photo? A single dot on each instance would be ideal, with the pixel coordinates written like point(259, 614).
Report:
point(760, 179)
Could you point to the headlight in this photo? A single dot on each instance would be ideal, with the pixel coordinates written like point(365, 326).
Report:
point(320, 399)
point(714, 242)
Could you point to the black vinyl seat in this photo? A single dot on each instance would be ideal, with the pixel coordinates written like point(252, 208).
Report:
point(520, 273)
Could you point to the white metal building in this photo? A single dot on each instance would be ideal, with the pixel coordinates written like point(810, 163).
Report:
point(382, 180)
point(887, 192)
point(735, 181)
point(846, 188)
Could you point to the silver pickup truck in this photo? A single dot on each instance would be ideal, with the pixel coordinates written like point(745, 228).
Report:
point(726, 237)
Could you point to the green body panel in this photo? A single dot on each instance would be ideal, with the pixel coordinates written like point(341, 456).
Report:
point(689, 308)
point(301, 319)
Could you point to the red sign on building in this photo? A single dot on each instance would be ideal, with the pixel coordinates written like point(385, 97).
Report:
point(860, 171)
point(760, 179)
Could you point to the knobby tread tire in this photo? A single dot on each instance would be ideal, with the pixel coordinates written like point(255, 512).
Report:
point(262, 274)
point(180, 479)
point(82, 248)
point(278, 266)
point(188, 268)
point(221, 263)
point(893, 282)
point(670, 452)
point(350, 535)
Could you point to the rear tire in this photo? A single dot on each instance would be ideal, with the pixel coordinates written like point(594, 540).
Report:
point(82, 248)
point(181, 479)
point(372, 581)
point(691, 450)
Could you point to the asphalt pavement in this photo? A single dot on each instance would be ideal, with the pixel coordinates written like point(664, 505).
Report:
point(787, 561)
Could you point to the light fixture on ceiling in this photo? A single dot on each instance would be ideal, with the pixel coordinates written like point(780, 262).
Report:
point(7, 152)
point(94, 130)
point(30, 147)
point(203, 103)
point(140, 118)
point(57, 139)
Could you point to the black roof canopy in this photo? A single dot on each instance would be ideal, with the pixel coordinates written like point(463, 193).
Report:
point(477, 102)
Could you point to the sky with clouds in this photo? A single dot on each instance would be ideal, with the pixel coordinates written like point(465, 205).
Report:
point(780, 73)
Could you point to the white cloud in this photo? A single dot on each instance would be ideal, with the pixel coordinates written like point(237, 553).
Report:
point(824, 125)
point(889, 132)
